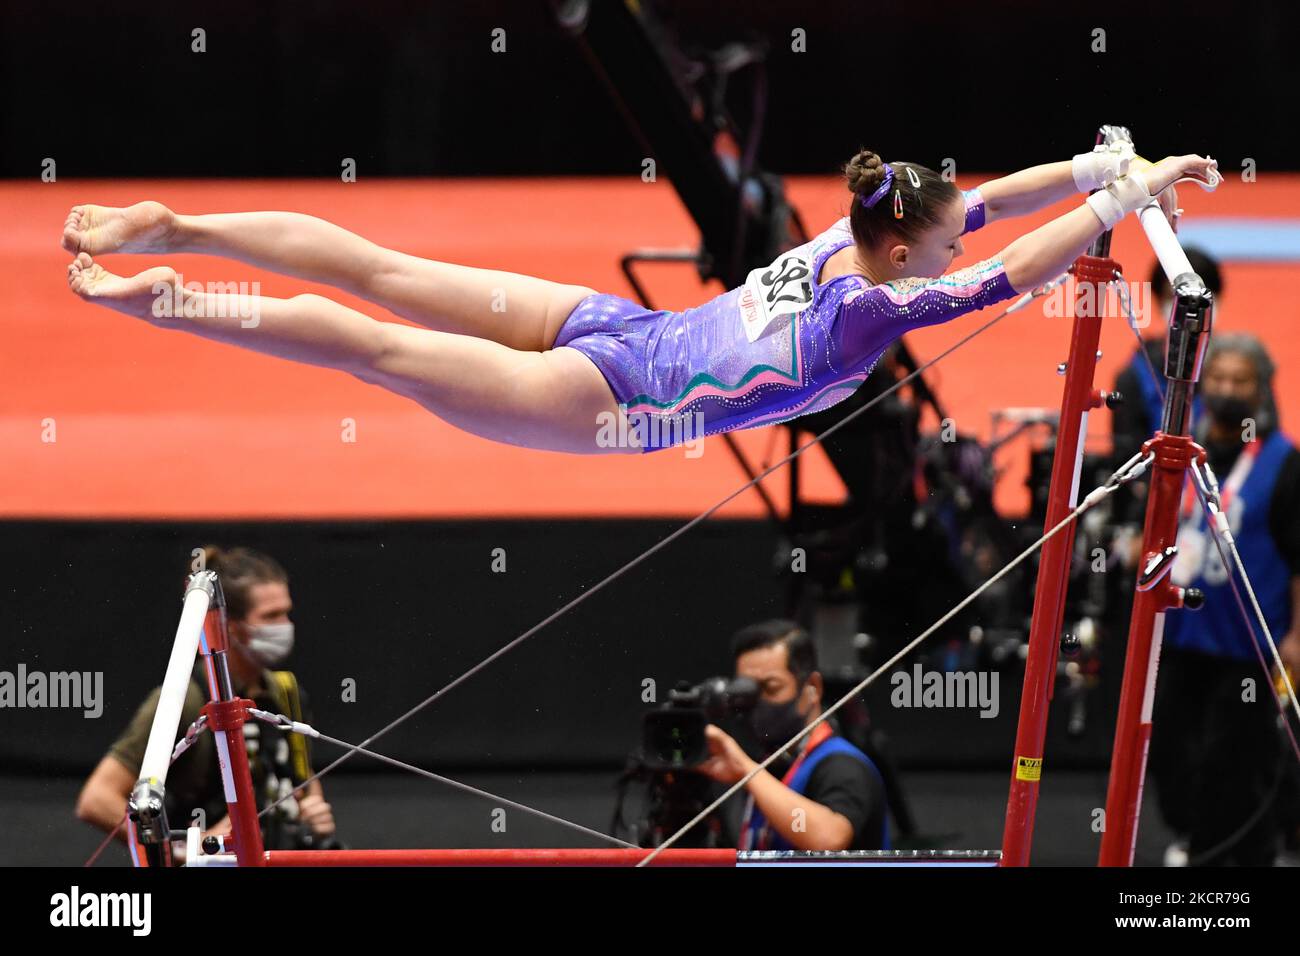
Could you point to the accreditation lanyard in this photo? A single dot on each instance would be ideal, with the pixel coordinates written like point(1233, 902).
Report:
point(1232, 486)
point(749, 840)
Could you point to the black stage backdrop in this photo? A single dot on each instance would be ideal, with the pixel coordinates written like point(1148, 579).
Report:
point(403, 608)
point(414, 88)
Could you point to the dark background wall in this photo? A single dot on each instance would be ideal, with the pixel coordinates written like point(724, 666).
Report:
point(403, 608)
point(412, 88)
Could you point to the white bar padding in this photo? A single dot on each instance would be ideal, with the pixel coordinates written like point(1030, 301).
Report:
point(227, 772)
point(1153, 667)
point(1161, 236)
point(1078, 461)
point(167, 718)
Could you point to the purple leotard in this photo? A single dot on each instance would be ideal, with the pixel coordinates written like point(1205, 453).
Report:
point(780, 346)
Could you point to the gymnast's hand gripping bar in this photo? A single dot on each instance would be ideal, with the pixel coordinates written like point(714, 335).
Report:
point(1192, 316)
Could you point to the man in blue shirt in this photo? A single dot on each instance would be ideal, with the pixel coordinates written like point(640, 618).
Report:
point(1216, 755)
point(826, 794)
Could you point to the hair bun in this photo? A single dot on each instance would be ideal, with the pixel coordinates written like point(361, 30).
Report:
point(864, 172)
point(212, 557)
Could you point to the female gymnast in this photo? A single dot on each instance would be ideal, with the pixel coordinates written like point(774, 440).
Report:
point(529, 362)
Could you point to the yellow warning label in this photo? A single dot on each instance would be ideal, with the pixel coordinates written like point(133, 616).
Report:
point(1029, 768)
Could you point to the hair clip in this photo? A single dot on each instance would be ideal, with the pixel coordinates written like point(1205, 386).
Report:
point(898, 204)
point(914, 179)
point(870, 201)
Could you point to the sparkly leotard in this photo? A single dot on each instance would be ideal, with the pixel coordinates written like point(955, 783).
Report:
point(780, 346)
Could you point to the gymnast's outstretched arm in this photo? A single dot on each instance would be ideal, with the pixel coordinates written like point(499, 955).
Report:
point(1027, 191)
point(1036, 187)
point(879, 314)
point(1046, 252)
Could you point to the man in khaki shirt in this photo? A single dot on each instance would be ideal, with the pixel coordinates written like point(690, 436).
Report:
point(260, 637)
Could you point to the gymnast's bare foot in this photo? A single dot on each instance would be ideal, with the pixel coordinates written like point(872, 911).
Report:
point(146, 295)
point(144, 227)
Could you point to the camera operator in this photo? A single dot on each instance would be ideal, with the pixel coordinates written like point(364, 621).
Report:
point(827, 795)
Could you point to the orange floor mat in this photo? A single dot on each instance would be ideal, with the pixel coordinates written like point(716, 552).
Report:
point(155, 424)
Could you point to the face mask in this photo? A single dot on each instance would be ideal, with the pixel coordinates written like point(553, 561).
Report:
point(1229, 409)
point(774, 724)
point(269, 644)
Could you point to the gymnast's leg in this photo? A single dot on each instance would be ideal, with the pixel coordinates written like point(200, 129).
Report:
point(518, 311)
point(555, 400)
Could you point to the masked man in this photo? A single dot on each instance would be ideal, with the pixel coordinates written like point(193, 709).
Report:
point(256, 588)
point(826, 794)
point(1215, 753)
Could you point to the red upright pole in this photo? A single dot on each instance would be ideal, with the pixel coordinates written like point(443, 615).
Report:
point(1190, 324)
point(226, 717)
point(1155, 595)
point(1092, 275)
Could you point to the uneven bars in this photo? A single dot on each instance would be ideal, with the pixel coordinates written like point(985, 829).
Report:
point(1190, 323)
point(1159, 233)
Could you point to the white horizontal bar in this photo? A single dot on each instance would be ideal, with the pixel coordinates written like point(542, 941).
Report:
point(167, 718)
point(1161, 236)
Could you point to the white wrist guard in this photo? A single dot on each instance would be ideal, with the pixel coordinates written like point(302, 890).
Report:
point(1120, 198)
point(1102, 166)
